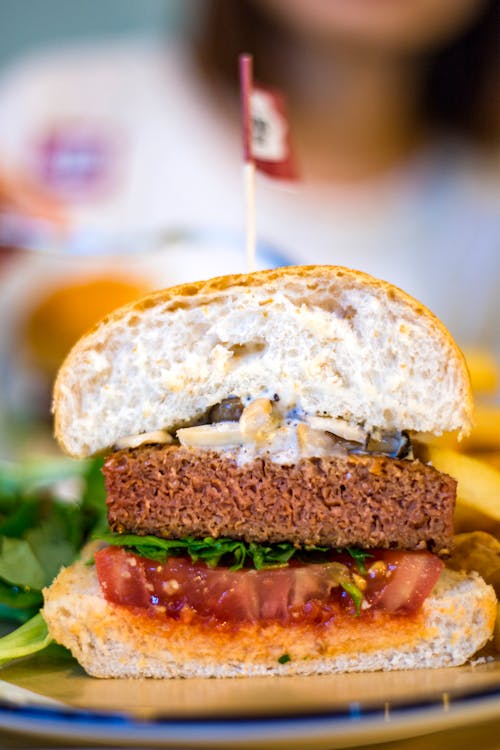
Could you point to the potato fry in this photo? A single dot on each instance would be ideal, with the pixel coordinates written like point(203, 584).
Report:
point(484, 371)
point(477, 551)
point(496, 633)
point(478, 492)
point(480, 552)
point(492, 458)
point(485, 434)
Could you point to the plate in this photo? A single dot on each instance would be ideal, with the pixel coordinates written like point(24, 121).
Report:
point(50, 696)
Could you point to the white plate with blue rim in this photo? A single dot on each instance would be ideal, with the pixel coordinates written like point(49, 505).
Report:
point(49, 696)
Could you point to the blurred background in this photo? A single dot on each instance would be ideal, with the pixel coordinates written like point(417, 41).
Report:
point(121, 169)
point(35, 25)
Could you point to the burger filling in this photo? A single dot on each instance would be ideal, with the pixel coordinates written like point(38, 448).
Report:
point(261, 429)
point(258, 516)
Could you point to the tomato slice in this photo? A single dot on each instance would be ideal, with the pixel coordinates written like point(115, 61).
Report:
point(408, 581)
point(396, 582)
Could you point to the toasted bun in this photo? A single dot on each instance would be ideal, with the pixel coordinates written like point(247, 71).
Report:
point(326, 339)
point(113, 641)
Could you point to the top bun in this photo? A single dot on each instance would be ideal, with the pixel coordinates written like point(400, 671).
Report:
point(326, 339)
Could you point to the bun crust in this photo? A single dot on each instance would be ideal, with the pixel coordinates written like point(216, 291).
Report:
point(326, 339)
point(112, 641)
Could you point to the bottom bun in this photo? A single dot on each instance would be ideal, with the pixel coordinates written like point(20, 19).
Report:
point(109, 640)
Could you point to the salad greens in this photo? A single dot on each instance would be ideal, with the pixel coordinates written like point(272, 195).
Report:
point(231, 552)
point(41, 529)
point(31, 637)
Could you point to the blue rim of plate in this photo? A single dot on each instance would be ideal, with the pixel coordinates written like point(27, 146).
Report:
point(77, 722)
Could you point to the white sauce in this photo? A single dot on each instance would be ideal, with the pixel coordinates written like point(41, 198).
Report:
point(263, 431)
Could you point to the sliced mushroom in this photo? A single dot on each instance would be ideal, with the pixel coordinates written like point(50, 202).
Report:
point(144, 438)
point(228, 410)
point(351, 432)
point(394, 445)
point(217, 435)
point(314, 442)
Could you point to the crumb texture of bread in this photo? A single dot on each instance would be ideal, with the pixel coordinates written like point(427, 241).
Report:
point(111, 641)
point(327, 340)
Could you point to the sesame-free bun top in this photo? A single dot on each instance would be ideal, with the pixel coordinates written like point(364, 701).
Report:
point(328, 340)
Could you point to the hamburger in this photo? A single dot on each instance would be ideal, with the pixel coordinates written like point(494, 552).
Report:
point(266, 512)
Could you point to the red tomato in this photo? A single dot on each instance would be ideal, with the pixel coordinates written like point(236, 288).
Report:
point(409, 581)
point(401, 583)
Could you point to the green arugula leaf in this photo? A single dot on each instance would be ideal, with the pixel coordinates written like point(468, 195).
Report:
point(51, 548)
point(209, 550)
point(231, 552)
point(355, 593)
point(19, 565)
point(152, 553)
point(359, 556)
point(271, 556)
point(20, 597)
point(31, 637)
point(17, 615)
point(21, 518)
point(40, 532)
point(30, 476)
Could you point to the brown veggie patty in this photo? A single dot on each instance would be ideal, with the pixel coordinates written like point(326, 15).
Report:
point(360, 500)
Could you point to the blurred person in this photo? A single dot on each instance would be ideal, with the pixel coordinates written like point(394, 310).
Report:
point(393, 118)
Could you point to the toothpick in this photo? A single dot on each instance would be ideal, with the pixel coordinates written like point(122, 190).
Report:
point(246, 84)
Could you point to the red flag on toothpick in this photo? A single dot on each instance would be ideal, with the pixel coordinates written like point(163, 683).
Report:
point(266, 134)
point(266, 142)
point(271, 135)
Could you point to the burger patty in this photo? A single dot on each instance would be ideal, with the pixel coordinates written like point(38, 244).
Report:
point(359, 500)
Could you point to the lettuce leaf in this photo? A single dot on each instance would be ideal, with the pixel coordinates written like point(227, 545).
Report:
point(231, 552)
point(31, 637)
point(40, 531)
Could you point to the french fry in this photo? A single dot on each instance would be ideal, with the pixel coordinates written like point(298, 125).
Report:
point(477, 551)
point(478, 491)
point(496, 635)
point(483, 370)
point(485, 434)
point(492, 458)
point(484, 437)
